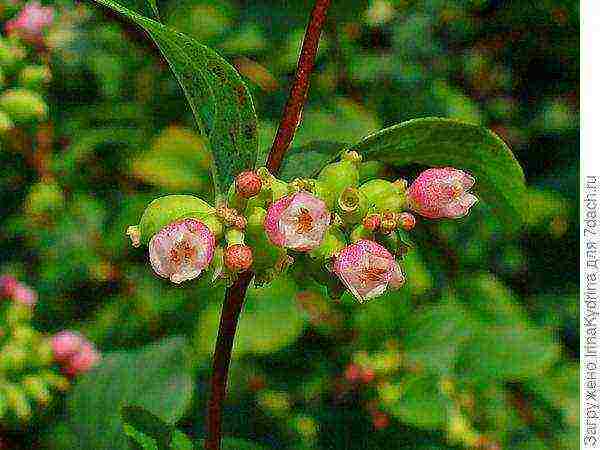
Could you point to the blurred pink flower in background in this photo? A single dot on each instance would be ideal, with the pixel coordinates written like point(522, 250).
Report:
point(182, 250)
point(31, 21)
point(13, 289)
point(367, 269)
point(297, 221)
point(74, 352)
point(442, 193)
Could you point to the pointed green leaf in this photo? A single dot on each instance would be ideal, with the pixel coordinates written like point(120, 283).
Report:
point(219, 99)
point(147, 431)
point(445, 142)
point(154, 7)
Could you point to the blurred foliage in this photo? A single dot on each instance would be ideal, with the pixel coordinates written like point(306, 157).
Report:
point(479, 349)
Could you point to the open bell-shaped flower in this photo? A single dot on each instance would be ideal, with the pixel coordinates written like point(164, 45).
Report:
point(442, 193)
point(368, 270)
point(182, 250)
point(297, 221)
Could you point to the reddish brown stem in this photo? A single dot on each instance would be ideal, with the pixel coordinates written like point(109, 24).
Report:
point(234, 297)
point(298, 93)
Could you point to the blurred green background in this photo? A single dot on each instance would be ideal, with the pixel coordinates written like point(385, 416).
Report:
point(480, 348)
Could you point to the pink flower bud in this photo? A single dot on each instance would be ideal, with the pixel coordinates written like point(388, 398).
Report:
point(297, 221)
point(74, 352)
point(31, 21)
point(7, 285)
point(17, 291)
point(86, 357)
point(248, 184)
point(372, 222)
point(439, 193)
point(238, 257)
point(24, 295)
point(367, 269)
point(65, 345)
point(407, 221)
point(182, 250)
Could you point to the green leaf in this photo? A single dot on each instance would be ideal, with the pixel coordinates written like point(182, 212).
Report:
point(271, 320)
point(154, 7)
point(150, 432)
point(445, 142)
point(236, 444)
point(221, 102)
point(178, 160)
point(308, 160)
point(421, 404)
point(156, 378)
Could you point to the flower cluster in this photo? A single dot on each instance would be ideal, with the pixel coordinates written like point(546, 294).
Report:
point(28, 374)
point(24, 69)
point(334, 226)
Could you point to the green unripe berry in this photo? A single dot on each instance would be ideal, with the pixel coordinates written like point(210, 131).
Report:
point(24, 106)
point(352, 205)
point(170, 208)
point(265, 254)
point(10, 54)
point(35, 77)
point(6, 123)
point(333, 242)
point(338, 176)
point(384, 196)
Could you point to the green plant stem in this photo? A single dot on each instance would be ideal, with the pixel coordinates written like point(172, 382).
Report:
point(235, 295)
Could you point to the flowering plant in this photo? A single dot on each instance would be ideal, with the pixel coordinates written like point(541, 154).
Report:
point(334, 224)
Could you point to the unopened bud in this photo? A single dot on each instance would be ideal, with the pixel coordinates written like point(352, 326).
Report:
point(372, 222)
point(23, 105)
point(248, 184)
point(406, 221)
point(238, 257)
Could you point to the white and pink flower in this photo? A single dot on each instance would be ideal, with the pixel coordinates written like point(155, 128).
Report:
point(297, 221)
point(368, 270)
point(182, 250)
point(442, 193)
point(31, 21)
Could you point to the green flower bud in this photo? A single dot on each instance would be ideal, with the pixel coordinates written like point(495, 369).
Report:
point(35, 77)
point(383, 195)
point(24, 106)
point(16, 400)
point(36, 388)
point(10, 53)
point(352, 205)
point(369, 170)
point(6, 123)
point(265, 254)
point(338, 176)
point(360, 232)
point(44, 198)
point(170, 208)
point(321, 191)
point(234, 236)
point(272, 189)
point(333, 242)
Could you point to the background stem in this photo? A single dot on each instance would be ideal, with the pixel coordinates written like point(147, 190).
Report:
point(235, 295)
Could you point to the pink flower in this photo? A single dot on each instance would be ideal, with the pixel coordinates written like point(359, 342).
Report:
point(297, 221)
point(82, 361)
point(31, 21)
point(367, 269)
point(65, 345)
point(439, 193)
point(74, 352)
point(17, 291)
point(182, 250)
